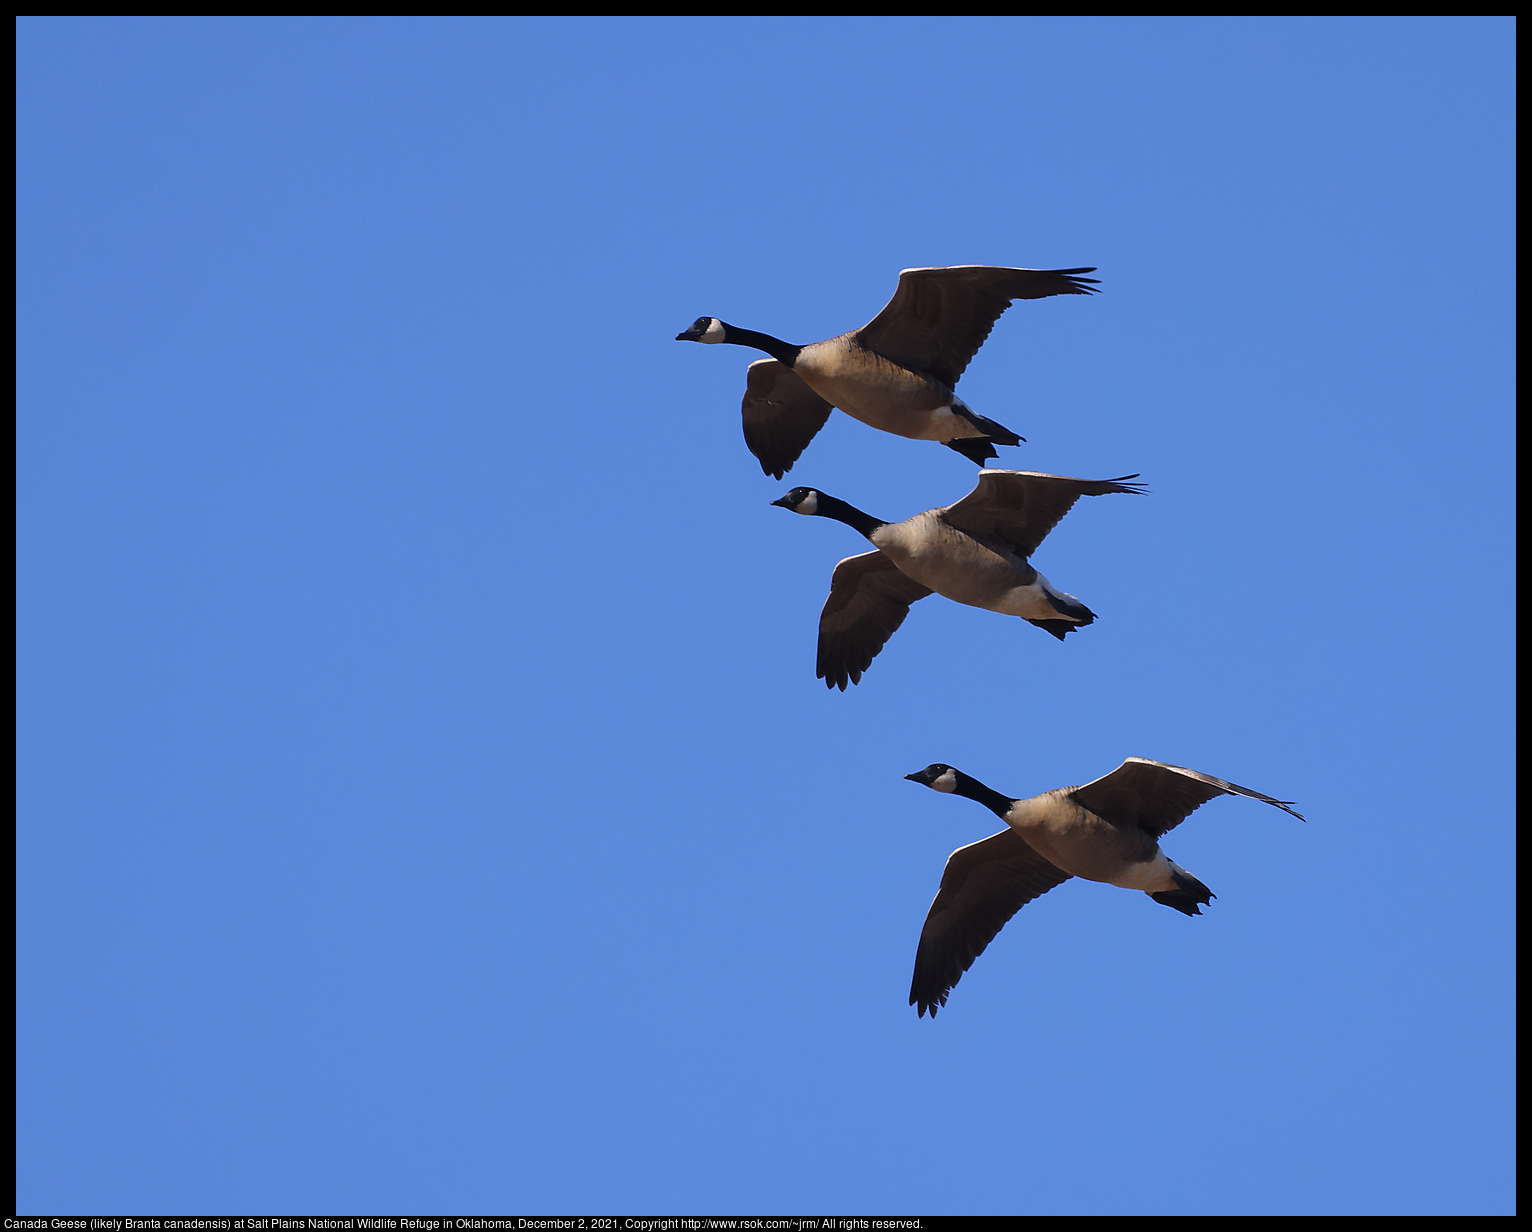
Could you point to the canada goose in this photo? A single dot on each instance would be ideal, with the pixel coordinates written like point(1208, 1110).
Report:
point(974, 552)
point(1106, 831)
point(896, 373)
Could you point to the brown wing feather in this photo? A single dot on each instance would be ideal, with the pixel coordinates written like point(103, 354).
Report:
point(1019, 508)
point(1157, 797)
point(781, 414)
point(983, 886)
point(869, 599)
point(940, 317)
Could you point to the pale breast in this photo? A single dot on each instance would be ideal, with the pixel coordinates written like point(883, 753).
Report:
point(879, 393)
point(958, 566)
point(1079, 842)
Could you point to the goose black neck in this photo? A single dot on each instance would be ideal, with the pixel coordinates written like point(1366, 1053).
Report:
point(991, 799)
point(862, 523)
point(775, 347)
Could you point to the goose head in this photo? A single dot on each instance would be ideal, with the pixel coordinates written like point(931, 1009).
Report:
point(937, 776)
point(704, 329)
point(801, 500)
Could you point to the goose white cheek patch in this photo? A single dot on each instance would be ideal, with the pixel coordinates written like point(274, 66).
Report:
point(947, 781)
point(714, 332)
point(809, 504)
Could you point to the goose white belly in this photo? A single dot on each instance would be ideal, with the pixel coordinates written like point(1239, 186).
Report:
point(1036, 601)
point(945, 424)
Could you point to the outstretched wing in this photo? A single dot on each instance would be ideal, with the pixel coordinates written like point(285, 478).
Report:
point(781, 415)
point(869, 599)
point(1157, 797)
point(983, 886)
point(939, 318)
point(1019, 508)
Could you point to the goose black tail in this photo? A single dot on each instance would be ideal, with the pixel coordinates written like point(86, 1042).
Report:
point(1066, 605)
point(1189, 896)
point(1059, 628)
point(974, 448)
point(998, 433)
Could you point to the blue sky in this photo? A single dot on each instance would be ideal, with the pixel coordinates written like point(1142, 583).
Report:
point(426, 800)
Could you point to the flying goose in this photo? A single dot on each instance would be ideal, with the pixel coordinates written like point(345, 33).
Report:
point(896, 373)
point(974, 552)
point(1106, 831)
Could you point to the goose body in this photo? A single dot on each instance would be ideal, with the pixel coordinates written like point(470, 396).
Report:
point(1106, 831)
point(897, 373)
point(974, 552)
point(970, 570)
point(1072, 838)
point(883, 394)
